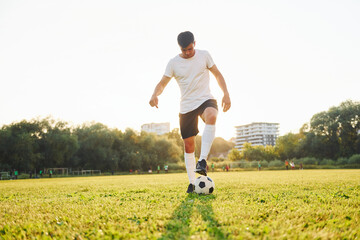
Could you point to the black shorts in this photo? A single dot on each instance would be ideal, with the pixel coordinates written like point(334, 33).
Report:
point(189, 121)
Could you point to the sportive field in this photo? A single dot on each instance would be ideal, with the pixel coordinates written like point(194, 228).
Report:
point(297, 204)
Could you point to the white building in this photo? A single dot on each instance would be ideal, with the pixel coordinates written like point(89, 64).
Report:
point(158, 128)
point(257, 133)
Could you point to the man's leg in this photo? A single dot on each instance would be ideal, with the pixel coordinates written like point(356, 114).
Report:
point(189, 144)
point(190, 163)
point(209, 116)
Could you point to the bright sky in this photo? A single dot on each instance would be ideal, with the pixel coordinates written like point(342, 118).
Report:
point(82, 61)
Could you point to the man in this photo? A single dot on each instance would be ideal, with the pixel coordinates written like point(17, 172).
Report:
point(191, 70)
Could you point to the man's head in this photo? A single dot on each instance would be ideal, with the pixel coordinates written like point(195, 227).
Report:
point(185, 38)
point(186, 42)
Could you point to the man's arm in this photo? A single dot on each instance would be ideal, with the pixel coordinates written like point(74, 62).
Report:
point(158, 90)
point(226, 102)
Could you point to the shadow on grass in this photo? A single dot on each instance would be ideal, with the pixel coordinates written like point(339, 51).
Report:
point(207, 213)
point(179, 225)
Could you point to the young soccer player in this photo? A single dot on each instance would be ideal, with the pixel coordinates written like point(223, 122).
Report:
point(191, 70)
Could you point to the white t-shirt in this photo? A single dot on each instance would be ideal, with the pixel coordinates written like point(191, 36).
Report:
point(192, 75)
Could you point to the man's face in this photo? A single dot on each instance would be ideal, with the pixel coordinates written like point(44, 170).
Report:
point(189, 51)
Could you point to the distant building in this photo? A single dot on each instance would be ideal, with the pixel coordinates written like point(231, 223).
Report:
point(257, 133)
point(158, 128)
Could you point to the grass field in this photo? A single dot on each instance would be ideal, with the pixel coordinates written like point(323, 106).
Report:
point(309, 204)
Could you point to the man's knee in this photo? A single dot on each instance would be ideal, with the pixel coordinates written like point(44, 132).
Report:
point(189, 144)
point(211, 119)
point(210, 115)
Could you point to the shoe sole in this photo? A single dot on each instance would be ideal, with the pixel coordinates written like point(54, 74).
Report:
point(201, 172)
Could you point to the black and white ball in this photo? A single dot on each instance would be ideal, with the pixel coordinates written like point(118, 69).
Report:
point(204, 185)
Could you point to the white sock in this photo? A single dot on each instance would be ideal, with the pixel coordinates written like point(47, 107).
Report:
point(206, 140)
point(190, 166)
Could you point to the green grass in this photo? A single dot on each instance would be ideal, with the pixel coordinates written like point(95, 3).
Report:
point(309, 204)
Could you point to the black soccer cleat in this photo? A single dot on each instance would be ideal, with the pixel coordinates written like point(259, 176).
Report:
point(201, 167)
point(191, 188)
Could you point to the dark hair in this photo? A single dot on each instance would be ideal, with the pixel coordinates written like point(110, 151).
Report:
point(185, 38)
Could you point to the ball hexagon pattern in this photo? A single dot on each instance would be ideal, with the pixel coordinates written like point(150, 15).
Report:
point(204, 185)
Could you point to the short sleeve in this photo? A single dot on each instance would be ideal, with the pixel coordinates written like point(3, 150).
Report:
point(209, 60)
point(169, 71)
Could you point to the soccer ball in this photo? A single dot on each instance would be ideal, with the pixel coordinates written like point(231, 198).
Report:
point(204, 185)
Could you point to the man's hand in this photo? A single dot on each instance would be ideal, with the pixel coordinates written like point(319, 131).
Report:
point(154, 101)
point(226, 102)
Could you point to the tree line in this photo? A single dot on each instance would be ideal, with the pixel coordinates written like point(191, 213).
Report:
point(330, 135)
point(46, 143)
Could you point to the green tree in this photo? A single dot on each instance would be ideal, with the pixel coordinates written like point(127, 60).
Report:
point(286, 146)
point(176, 136)
point(349, 129)
point(270, 153)
point(251, 153)
point(20, 145)
point(167, 152)
point(96, 146)
point(220, 147)
point(338, 130)
point(57, 143)
point(234, 155)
